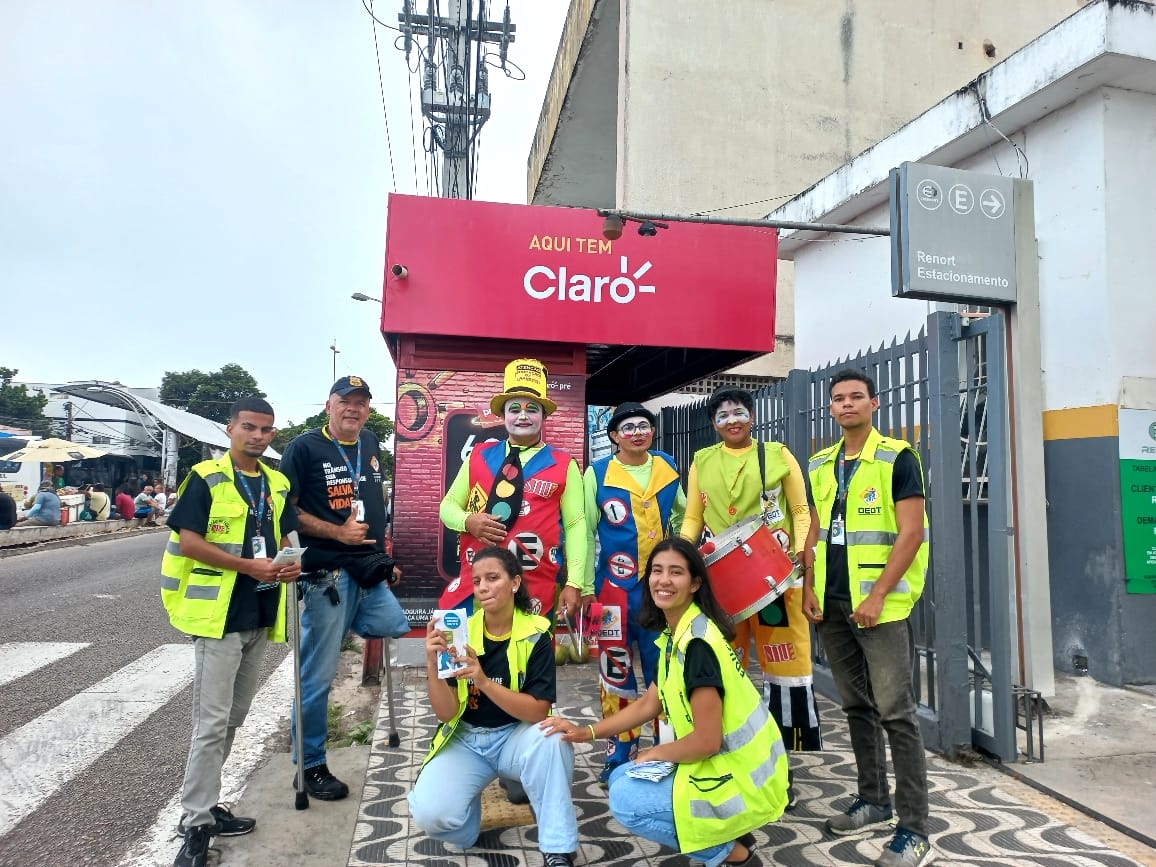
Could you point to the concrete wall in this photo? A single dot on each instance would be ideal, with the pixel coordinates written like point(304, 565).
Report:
point(747, 102)
point(578, 168)
point(1095, 206)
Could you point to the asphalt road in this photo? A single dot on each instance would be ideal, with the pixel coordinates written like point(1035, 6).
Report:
point(105, 594)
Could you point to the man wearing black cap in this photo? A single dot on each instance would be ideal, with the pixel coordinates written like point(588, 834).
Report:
point(633, 499)
point(335, 473)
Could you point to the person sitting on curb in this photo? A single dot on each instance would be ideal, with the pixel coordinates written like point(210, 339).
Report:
point(730, 765)
point(45, 511)
point(488, 714)
point(146, 508)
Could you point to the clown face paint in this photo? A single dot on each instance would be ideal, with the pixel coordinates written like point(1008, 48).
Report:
point(524, 421)
point(733, 422)
point(633, 437)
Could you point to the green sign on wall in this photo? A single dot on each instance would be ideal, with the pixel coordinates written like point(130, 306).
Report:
point(1138, 497)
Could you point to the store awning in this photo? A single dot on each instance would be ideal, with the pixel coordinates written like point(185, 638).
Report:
point(188, 424)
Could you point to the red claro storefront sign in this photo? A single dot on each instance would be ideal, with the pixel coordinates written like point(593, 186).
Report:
point(482, 269)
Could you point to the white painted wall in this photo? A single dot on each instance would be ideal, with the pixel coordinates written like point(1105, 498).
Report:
point(1130, 171)
point(1095, 195)
point(843, 297)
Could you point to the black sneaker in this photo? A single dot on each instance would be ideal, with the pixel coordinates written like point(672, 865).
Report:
point(195, 850)
point(515, 791)
point(557, 859)
point(225, 824)
point(322, 785)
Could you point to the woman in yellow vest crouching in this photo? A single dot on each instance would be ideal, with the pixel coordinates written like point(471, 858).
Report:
point(729, 765)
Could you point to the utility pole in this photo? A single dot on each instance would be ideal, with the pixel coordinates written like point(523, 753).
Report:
point(458, 104)
point(68, 422)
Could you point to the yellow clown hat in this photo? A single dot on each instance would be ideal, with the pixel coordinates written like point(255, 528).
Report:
point(525, 377)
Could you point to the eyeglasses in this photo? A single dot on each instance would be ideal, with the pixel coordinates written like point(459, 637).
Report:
point(642, 428)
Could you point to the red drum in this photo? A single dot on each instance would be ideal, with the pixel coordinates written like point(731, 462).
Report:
point(748, 568)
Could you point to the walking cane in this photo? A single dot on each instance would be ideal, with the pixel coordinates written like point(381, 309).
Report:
point(301, 799)
point(394, 740)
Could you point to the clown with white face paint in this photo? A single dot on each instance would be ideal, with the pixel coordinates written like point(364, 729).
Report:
point(723, 488)
point(524, 495)
point(633, 500)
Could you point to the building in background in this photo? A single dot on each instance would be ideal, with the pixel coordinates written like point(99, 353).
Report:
point(729, 106)
point(1079, 104)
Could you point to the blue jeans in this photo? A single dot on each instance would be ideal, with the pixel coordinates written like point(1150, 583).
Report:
point(646, 809)
point(446, 802)
point(371, 613)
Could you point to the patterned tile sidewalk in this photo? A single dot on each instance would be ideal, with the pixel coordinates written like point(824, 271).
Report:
point(978, 816)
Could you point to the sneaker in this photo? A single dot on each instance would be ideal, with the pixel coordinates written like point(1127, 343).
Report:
point(792, 797)
point(225, 824)
point(752, 860)
point(906, 849)
point(515, 791)
point(859, 817)
point(557, 859)
point(322, 785)
point(195, 850)
point(748, 840)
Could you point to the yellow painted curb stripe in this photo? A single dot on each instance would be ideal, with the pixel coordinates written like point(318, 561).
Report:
point(1082, 422)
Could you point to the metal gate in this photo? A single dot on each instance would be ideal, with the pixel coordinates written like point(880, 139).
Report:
point(938, 390)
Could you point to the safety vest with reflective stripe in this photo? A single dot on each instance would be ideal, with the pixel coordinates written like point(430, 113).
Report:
point(525, 631)
point(870, 526)
point(742, 786)
point(195, 594)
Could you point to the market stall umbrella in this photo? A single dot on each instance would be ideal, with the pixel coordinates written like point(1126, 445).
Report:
point(51, 451)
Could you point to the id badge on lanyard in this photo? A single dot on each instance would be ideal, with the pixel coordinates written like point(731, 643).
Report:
point(838, 536)
point(357, 508)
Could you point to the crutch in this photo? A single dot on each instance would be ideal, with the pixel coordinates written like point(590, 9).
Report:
point(394, 740)
point(301, 799)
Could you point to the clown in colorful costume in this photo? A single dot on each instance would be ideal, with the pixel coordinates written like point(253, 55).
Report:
point(633, 499)
point(524, 495)
point(724, 488)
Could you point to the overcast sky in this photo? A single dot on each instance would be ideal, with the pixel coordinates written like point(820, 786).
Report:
point(184, 185)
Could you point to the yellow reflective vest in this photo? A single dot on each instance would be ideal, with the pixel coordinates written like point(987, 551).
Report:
point(870, 526)
point(744, 785)
point(526, 631)
point(196, 595)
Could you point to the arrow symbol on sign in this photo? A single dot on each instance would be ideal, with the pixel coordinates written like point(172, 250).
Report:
point(992, 203)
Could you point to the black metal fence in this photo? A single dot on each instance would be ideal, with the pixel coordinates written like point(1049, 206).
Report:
point(920, 390)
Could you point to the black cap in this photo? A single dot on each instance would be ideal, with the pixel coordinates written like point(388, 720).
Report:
point(625, 410)
point(349, 384)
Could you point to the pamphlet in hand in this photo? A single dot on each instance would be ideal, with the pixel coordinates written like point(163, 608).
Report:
point(288, 556)
point(452, 623)
point(653, 771)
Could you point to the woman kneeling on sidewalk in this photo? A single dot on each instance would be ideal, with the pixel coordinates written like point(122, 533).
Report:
point(488, 713)
point(726, 771)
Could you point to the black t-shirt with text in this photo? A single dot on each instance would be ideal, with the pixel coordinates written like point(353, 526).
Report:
point(906, 481)
point(322, 482)
point(541, 681)
point(248, 607)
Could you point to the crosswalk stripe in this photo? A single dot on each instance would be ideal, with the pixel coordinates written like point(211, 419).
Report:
point(19, 658)
point(41, 756)
point(270, 706)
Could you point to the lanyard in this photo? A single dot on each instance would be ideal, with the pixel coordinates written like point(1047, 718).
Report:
point(844, 483)
point(349, 465)
point(257, 508)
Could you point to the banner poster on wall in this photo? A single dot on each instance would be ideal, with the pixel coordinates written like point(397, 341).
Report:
point(1138, 498)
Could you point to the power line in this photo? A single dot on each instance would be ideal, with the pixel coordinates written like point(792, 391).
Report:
point(381, 87)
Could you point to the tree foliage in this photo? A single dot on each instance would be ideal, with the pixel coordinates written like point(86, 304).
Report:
point(19, 407)
point(380, 424)
point(208, 394)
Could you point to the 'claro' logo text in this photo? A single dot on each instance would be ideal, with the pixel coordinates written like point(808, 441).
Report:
point(542, 282)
